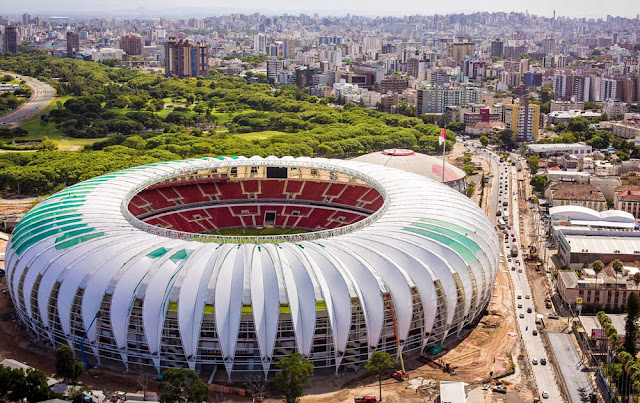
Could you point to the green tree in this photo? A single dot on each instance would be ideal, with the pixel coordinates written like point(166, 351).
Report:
point(469, 169)
point(631, 324)
point(183, 385)
point(294, 376)
point(484, 140)
point(533, 162)
point(585, 265)
point(379, 362)
point(48, 144)
point(466, 159)
point(539, 183)
point(16, 385)
point(597, 267)
point(617, 269)
point(546, 93)
point(66, 365)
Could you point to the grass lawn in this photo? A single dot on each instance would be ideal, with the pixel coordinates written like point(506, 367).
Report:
point(259, 135)
point(256, 231)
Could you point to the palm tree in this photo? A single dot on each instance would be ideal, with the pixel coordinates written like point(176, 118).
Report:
point(598, 266)
point(636, 279)
point(617, 268)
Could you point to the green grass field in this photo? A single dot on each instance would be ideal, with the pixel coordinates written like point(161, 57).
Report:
point(259, 135)
point(256, 231)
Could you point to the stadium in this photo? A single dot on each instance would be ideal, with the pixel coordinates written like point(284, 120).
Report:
point(234, 263)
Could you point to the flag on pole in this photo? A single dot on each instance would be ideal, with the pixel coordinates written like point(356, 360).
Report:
point(443, 136)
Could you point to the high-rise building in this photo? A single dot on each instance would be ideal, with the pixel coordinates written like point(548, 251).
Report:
point(131, 44)
point(548, 46)
point(185, 59)
point(26, 19)
point(273, 67)
point(523, 120)
point(497, 48)
point(11, 39)
point(260, 43)
point(608, 89)
point(459, 51)
point(73, 43)
point(436, 99)
point(288, 48)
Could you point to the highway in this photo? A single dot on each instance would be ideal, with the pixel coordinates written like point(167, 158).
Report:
point(525, 309)
point(42, 94)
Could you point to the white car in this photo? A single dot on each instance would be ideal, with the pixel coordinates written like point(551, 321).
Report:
point(527, 296)
point(521, 315)
point(545, 394)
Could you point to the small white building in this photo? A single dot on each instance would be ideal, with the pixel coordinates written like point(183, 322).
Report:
point(605, 168)
point(98, 55)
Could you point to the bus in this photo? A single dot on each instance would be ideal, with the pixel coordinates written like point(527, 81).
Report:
point(501, 223)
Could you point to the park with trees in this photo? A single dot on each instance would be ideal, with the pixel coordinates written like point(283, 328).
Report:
point(131, 118)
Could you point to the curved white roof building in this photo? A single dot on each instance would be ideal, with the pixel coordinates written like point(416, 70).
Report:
point(130, 267)
point(422, 164)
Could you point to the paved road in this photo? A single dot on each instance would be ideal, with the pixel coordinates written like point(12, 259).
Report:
point(533, 347)
point(42, 94)
point(570, 366)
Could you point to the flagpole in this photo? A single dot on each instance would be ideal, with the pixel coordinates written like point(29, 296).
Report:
point(444, 149)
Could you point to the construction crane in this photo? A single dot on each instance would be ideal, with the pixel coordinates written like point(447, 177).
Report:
point(402, 374)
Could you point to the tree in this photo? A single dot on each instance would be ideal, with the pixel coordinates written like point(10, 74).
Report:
point(183, 385)
point(48, 144)
point(631, 325)
point(294, 375)
point(636, 279)
point(597, 267)
point(484, 140)
point(66, 365)
point(539, 183)
point(585, 265)
point(377, 364)
point(617, 268)
point(546, 93)
point(469, 169)
point(15, 385)
point(533, 162)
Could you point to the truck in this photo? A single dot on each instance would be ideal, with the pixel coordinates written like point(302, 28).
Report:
point(514, 250)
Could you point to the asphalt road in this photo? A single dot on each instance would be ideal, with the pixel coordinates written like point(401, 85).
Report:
point(534, 349)
point(570, 366)
point(42, 94)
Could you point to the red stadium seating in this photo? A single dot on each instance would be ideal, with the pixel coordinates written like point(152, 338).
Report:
point(200, 206)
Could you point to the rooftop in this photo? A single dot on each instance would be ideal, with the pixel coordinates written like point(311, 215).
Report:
point(557, 147)
point(628, 193)
point(624, 245)
point(570, 191)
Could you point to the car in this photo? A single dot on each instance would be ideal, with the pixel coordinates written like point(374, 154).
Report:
point(529, 310)
point(509, 260)
point(521, 315)
point(543, 361)
point(513, 268)
point(534, 361)
point(527, 296)
point(535, 332)
point(519, 296)
point(519, 270)
point(545, 394)
point(519, 306)
point(508, 246)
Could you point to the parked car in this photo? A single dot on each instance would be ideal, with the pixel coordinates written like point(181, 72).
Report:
point(543, 361)
point(534, 361)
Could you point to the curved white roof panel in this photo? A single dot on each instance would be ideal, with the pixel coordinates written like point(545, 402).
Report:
point(81, 265)
point(586, 214)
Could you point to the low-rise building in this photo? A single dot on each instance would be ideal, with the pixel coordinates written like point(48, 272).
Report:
point(627, 198)
point(625, 129)
point(605, 168)
point(606, 247)
point(547, 150)
point(614, 108)
point(565, 116)
point(608, 290)
point(555, 106)
point(586, 195)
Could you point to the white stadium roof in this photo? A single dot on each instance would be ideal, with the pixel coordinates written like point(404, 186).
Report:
point(83, 243)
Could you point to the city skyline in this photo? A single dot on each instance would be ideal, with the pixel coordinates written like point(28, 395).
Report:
point(545, 8)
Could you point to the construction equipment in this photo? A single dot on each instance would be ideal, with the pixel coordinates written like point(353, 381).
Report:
point(365, 399)
point(401, 374)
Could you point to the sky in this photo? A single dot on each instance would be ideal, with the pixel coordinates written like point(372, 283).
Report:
point(202, 8)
